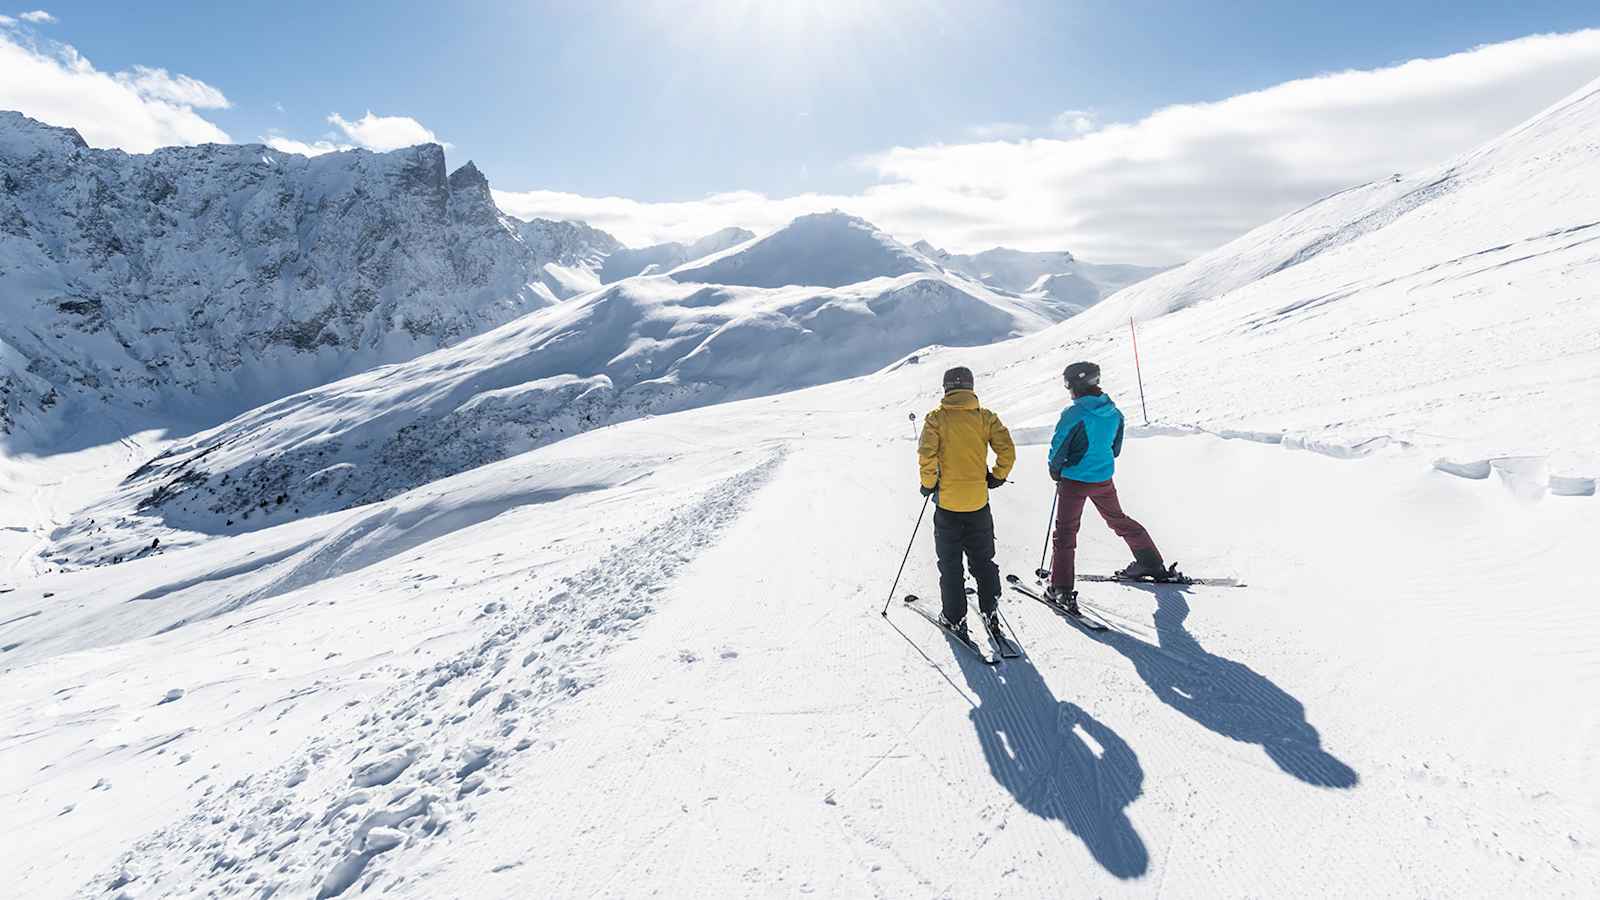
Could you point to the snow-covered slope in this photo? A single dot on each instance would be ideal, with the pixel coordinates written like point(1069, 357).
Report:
point(570, 255)
point(573, 671)
point(644, 346)
point(1057, 275)
point(574, 258)
point(658, 258)
point(825, 249)
point(225, 276)
point(578, 668)
point(1452, 310)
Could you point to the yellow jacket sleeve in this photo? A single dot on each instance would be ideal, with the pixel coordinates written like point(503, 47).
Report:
point(928, 449)
point(1005, 452)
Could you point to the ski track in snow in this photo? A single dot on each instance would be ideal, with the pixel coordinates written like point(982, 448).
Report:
point(423, 752)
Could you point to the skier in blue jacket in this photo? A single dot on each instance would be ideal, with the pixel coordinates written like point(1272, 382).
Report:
point(1083, 452)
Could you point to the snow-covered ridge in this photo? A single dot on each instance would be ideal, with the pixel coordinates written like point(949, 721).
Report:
point(1055, 274)
point(658, 258)
point(224, 276)
point(1534, 180)
point(569, 254)
point(641, 347)
point(826, 249)
point(575, 258)
point(1452, 310)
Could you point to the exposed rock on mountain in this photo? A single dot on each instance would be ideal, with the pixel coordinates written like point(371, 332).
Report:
point(225, 276)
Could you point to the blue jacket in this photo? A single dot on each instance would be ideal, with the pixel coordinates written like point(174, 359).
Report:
point(1087, 441)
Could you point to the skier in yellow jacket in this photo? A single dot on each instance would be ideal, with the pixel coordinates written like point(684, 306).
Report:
point(954, 457)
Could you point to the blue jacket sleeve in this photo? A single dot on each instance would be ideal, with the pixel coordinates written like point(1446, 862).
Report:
point(1116, 443)
point(1069, 442)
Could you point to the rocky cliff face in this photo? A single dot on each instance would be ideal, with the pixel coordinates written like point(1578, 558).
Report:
point(225, 276)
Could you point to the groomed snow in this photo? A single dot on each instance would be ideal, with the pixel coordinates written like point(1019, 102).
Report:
point(648, 659)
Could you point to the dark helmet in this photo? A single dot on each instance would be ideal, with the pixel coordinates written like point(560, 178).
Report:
point(1081, 376)
point(958, 379)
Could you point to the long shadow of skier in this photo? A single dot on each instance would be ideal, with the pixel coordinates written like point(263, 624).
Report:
point(1225, 696)
point(1058, 762)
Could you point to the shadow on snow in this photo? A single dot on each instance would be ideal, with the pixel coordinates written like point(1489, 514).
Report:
point(1059, 762)
point(1225, 696)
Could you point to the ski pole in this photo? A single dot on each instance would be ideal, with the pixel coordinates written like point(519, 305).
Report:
point(1055, 495)
point(1138, 371)
point(913, 426)
point(903, 559)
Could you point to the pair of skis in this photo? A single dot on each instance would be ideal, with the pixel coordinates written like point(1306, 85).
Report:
point(1086, 617)
point(1077, 618)
point(1172, 576)
point(1005, 647)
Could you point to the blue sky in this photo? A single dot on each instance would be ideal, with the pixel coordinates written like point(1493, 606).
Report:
point(663, 100)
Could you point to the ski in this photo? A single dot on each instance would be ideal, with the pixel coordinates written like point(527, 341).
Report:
point(1078, 619)
point(964, 640)
point(1173, 578)
point(1006, 647)
point(1181, 579)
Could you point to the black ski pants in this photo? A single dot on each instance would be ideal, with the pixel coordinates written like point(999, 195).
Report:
point(972, 534)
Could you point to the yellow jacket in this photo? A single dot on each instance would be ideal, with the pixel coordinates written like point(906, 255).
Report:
point(954, 452)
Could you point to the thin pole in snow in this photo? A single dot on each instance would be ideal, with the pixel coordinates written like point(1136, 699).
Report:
point(903, 559)
point(1055, 495)
point(913, 426)
point(1137, 371)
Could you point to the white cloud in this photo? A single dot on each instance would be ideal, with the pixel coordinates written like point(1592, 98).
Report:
point(137, 110)
point(370, 132)
point(384, 132)
point(1165, 188)
point(177, 89)
point(1000, 131)
point(7, 20)
point(315, 148)
point(1074, 121)
point(37, 17)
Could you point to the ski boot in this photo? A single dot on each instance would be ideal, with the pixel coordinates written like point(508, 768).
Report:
point(1148, 564)
point(1064, 598)
point(959, 626)
point(991, 621)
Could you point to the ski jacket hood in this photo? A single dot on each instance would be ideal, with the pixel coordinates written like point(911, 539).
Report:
point(1087, 440)
point(954, 451)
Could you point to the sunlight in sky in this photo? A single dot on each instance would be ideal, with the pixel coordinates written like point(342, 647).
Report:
point(795, 24)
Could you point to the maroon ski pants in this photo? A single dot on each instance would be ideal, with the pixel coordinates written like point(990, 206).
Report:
point(1070, 497)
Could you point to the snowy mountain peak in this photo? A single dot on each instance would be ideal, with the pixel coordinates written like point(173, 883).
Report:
point(218, 277)
point(830, 249)
point(469, 177)
point(22, 137)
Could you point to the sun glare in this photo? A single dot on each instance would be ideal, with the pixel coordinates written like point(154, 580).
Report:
point(784, 26)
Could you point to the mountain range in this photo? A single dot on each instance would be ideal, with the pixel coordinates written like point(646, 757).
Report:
point(192, 283)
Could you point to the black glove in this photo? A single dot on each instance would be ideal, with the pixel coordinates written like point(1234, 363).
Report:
point(928, 491)
point(993, 481)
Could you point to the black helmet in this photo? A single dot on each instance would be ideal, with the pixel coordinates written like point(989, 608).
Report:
point(958, 379)
point(1081, 376)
